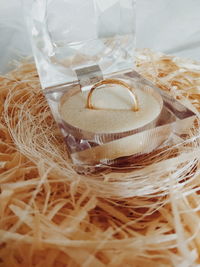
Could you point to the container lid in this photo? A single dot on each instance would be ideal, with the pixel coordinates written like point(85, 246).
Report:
point(70, 35)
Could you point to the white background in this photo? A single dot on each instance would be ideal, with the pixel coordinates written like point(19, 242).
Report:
point(169, 26)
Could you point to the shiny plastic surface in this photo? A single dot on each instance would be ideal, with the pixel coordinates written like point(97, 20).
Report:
point(71, 34)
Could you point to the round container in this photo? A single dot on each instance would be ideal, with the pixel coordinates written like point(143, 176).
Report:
point(111, 129)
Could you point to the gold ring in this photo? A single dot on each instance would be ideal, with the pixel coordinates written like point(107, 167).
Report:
point(112, 81)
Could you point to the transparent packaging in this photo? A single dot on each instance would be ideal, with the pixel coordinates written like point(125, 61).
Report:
point(72, 34)
point(80, 46)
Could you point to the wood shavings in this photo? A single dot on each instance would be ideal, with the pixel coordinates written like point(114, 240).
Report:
point(51, 216)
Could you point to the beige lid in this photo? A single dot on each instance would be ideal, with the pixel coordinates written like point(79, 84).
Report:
point(114, 111)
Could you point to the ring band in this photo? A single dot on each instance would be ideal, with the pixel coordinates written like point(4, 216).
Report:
point(112, 81)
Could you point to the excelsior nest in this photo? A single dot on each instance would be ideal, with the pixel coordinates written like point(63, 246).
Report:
point(51, 216)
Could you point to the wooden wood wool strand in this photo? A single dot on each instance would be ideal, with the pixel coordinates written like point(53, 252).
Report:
point(51, 216)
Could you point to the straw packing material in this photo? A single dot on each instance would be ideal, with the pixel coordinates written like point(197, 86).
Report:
point(51, 216)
